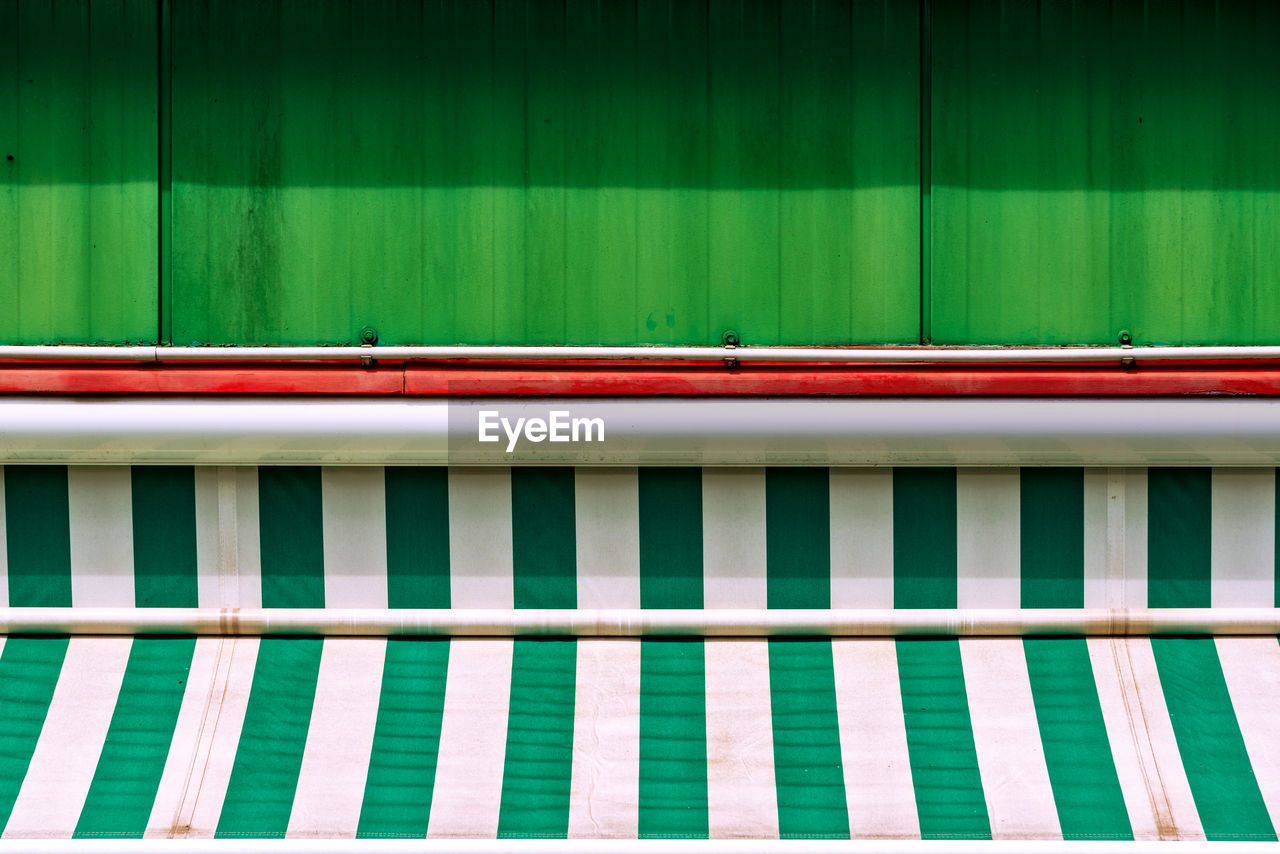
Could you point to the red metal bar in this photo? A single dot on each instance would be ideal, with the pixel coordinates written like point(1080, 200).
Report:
point(201, 379)
point(642, 380)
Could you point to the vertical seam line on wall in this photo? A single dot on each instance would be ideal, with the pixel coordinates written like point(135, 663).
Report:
point(778, 167)
point(164, 114)
point(926, 168)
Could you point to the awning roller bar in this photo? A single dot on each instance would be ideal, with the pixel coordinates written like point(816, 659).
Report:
point(853, 355)
point(341, 622)
point(631, 432)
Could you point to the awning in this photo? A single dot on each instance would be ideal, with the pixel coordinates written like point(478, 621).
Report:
point(1165, 738)
point(561, 537)
point(656, 738)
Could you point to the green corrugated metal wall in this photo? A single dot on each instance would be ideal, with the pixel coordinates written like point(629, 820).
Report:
point(1101, 166)
point(609, 172)
point(639, 171)
point(78, 198)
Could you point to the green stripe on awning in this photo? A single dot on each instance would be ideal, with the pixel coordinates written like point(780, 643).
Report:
point(670, 537)
point(798, 537)
point(1052, 537)
point(673, 740)
point(29, 671)
point(1178, 538)
point(406, 741)
point(417, 502)
point(944, 763)
point(292, 537)
point(1076, 751)
point(260, 793)
point(1213, 752)
point(38, 528)
point(924, 538)
point(128, 773)
point(164, 536)
point(543, 538)
point(806, 741)
point(539, 757)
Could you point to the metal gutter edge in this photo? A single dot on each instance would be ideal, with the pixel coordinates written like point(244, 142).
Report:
point(969, 431)
point(635, 622)
point(628, 846)
point(881, 355)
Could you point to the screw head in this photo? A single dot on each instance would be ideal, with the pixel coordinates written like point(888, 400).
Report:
point(1126, 337)
point(729, 338)
point(368, 335)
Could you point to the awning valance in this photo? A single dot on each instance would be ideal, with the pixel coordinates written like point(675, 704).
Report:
point(1161, 738)
point(625, 538)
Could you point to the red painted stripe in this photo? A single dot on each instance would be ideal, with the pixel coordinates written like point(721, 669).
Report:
point(639, 380)
point(200, 380)
point(876, 381)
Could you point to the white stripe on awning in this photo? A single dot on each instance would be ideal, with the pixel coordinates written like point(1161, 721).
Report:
point(1166, 759)
point(742, 797)
point(1244, 536)
point(354, 522)
point(101, 528)
point(604, 791)
point(1133, 539)
point(1251, 668)
point(245, 543)
point(473, 736)
point(861, 538)
point(987, 537)
point(208, 690)
point(607, 537)
point(1006, 738)
point(873, 739)
point(212, 752)
point(1103, 557)
point(733, 538)
point(335, 763)
point(480, 543)
point(215, 536)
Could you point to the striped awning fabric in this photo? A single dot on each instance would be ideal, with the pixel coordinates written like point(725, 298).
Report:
point(1165, 738)
point(432, 537)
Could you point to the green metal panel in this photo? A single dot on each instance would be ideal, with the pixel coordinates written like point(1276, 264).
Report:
point(587, 171)
point(78, 155)
point(1100, 166)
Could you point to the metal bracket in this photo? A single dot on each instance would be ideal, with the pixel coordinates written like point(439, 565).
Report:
point(729, 340)
point(1126, 343)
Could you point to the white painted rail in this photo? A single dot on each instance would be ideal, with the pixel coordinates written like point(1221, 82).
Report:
point(585, 622)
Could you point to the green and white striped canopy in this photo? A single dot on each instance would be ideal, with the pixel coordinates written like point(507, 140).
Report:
point(1099, 738)
point(421, 537)
point(975, 738)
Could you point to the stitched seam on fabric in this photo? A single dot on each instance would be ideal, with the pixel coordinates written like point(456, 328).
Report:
point(179, 826)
